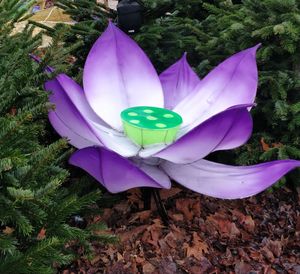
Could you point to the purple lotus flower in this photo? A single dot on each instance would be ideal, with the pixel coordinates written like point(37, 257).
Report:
point(215, 111)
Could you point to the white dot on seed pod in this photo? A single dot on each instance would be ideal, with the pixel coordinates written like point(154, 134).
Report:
point(160, 125)
point(132, 114)
point(148, 111)
point(134, 121)
point(152, 118)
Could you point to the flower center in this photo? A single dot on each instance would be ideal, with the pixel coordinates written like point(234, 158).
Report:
point(150, 125)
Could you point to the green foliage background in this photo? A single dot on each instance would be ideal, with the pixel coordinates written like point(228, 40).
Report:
point(37, 199)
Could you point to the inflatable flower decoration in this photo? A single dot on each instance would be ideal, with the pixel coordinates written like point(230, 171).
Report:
point(134, 128)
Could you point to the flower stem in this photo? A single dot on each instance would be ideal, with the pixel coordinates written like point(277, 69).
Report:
point(146, 194)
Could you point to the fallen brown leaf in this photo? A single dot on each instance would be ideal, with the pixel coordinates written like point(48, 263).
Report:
point(197, 248)
point(8, 230)
point(277, 145)
point(119, 256)
point(95, 260)
point(249, 223)
point(177, 217)
point(267, 253)
point(223, 225)
point(275, 247)
point(141, 216)
point(171, 240)
point(264, 145)
point(132, 234)
point(189, 207)
point(148, 268)
point(169, 193)
point(269, 270)
point(134, 195)
point(42, 234)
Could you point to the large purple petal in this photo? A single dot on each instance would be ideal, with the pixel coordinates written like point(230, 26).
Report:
point(157, 174)
point(64, 130)
point(115, 141)
point(115, 173)
point(75, 119)
point(228, 129)
point(76, 94)
point(228, 182)
point(178, 81)
point(66, 119)
point(233, 82)
point(118, 75)
point(109, 138)
point(150, 167)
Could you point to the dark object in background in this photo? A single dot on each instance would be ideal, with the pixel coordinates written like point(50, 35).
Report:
point(78, 221)
point(129, 15)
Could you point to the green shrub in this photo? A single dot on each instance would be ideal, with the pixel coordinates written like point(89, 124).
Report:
point(35, 204)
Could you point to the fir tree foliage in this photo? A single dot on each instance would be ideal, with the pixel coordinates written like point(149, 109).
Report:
point(35, 204)
point(91, 19)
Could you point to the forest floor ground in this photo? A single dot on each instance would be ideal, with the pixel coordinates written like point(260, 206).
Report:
point(260, 234)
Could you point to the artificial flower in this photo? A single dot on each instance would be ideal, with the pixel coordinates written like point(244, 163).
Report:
point(215, 112)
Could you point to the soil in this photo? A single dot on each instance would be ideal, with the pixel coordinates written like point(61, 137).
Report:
point(260, 234)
